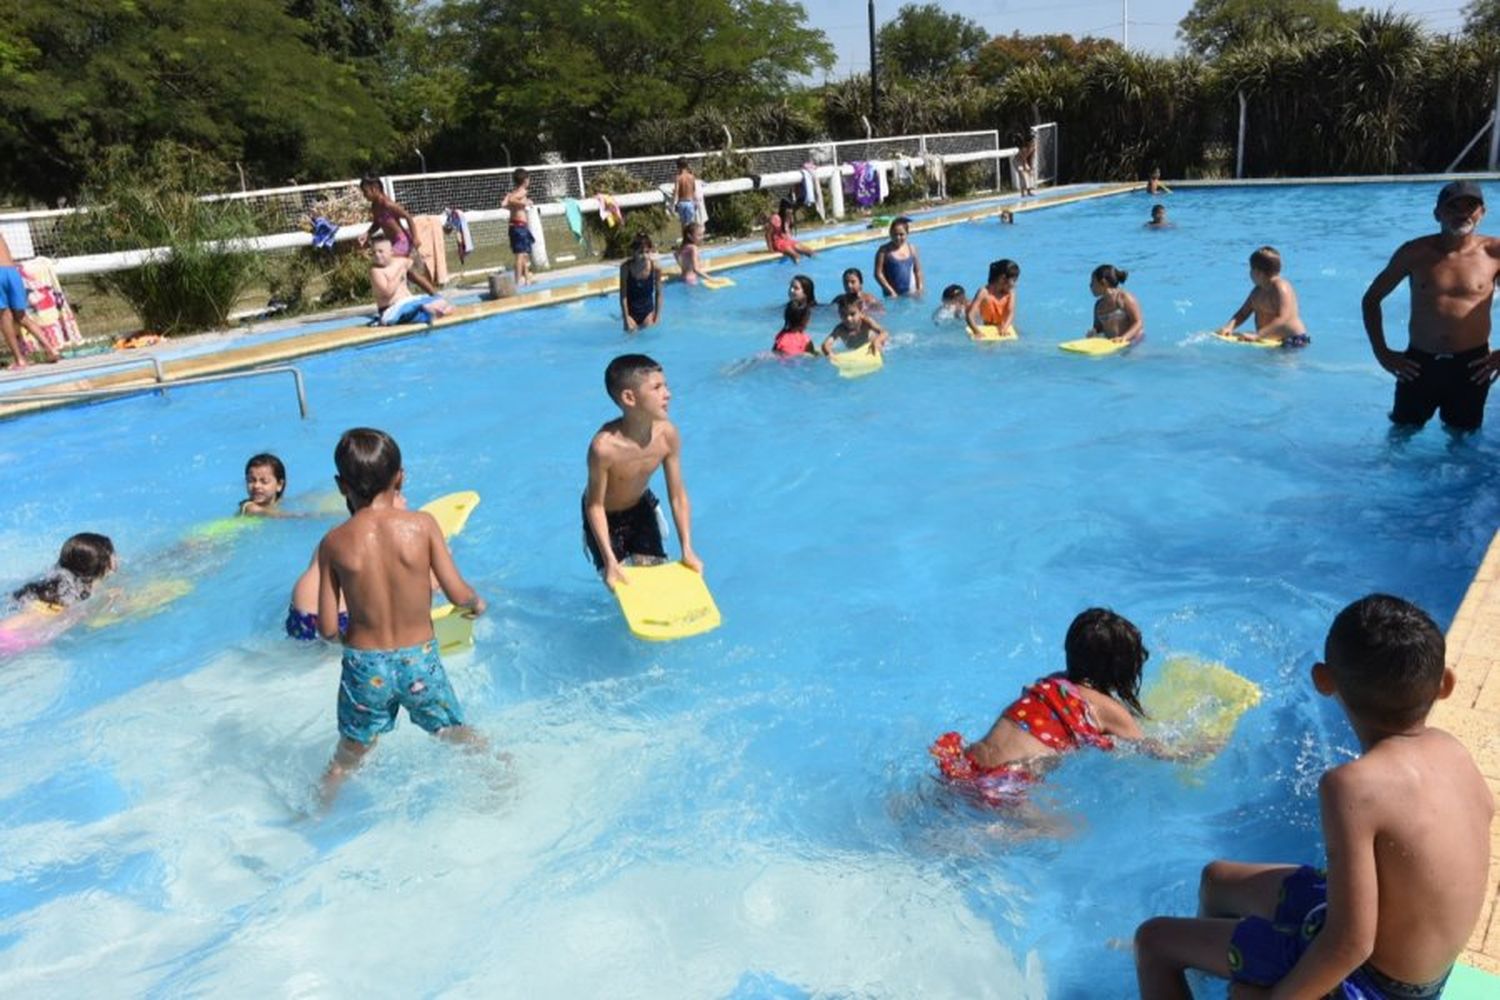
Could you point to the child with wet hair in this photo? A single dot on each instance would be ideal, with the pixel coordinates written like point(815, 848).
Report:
point(854, 284)
point(265, 484)
point(42, 609)
point(793, 338)
point(1095, 701)
point(1406, 827)
point(1117, 314)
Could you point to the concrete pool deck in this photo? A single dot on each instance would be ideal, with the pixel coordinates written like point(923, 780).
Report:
point(1473, 715)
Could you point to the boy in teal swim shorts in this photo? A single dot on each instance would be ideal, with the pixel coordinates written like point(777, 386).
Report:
point(379, 563)
point(1406, 826)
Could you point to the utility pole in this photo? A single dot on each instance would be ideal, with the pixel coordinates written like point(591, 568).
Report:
point(1124, 24)
point(874, 71)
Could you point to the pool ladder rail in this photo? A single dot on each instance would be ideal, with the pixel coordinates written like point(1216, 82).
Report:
point(161, 383)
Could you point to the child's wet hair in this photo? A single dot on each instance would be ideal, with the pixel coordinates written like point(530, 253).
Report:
point(682, 163)
point(626, 372)
point(1110, 276)
point(368, 462)
point(1158, 209)
point(796, 316)
point(1387, 658)
point(86, 558)
point(809, 291)
point(899, 220)
point(1266, 260)
point(370, 181)
point(954, 293)
point(848, 303)
point(518, 176)
point(1003, 268)
point(267, 460)
point(844, 278)
point(641, 242)
point(1104, 652)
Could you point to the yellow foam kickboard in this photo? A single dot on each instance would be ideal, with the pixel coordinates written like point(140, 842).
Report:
point(860, 361)
point(713, 282)
point(148, 599)
point(1230, 338)
point(1093, 345)
point(223, 527)
point(1197, 699)
point(452, 510)
point(667, 601)
point(454, 629)
point(988, 332)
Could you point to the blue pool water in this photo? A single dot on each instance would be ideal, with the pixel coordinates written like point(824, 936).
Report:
point(752, 813)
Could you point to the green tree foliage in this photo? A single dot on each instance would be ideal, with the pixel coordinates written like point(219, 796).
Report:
point(1004, 53)
point(558, 74)
point(79, 76)
point(1214, 27)
point(924, 42)
point(1482, 18)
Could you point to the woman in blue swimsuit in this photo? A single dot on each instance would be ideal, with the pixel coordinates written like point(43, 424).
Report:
point(897, 268)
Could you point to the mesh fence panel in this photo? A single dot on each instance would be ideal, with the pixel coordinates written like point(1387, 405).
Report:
point(1046, 153)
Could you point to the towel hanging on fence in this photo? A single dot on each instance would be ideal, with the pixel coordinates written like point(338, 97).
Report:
point(538, 238)
point(700, 203)
point(574, 214)
point(434, 253)
point(324, 233)
point(609, 211)
point(864, 183)
point(812, 191)
point(933, 165)
point(463, 236)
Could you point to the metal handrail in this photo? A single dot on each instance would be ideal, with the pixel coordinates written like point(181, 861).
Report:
point(125, 390)
point(144, 359)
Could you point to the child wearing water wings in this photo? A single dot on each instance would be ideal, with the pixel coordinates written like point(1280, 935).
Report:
point(995, 305)
point(1407, 830)
point(1094, 702)
point(379, 564)
point(1117, 314)
point(793, 338)
point(1273, 303)
point(39, 609)
point(856, 331)
point(393, 298)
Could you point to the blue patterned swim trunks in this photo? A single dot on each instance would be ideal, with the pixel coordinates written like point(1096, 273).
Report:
point(375, 682)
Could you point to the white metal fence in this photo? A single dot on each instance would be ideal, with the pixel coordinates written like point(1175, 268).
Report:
point(284, 209)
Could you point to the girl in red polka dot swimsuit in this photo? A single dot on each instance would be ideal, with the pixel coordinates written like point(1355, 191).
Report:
point(1096, 700)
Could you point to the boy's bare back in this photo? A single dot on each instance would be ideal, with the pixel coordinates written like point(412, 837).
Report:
point(625, 465)
point(380, 560)
point(1408, 825)
point(1276, 301)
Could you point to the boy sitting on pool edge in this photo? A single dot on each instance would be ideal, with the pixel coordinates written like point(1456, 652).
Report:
point(393, 299)
point(621, 516)
point(1406, 826)
point(1273, 302)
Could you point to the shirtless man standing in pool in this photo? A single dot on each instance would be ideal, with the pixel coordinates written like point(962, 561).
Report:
point(1448, 366)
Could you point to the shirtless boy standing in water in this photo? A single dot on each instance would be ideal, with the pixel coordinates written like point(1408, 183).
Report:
point(620, 513)
point(1448, 366)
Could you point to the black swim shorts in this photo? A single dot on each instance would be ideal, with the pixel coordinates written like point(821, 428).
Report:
point(635, 531)
point(1445, 386)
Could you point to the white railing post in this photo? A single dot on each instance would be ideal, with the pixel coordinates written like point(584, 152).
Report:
point(1239, 148)
point(1495, 132)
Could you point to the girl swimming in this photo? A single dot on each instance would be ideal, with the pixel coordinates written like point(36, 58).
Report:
point(793, 338)
point(1095, 701)
point(265, 484)
point(801, 291)
point(854, 284)
point(897, 268)
point(38, 610)
point(1117, 314)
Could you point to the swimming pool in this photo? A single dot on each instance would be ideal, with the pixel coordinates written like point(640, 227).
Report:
point(752, 813)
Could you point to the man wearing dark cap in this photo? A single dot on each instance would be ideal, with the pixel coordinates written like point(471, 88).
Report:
point(1447, 367)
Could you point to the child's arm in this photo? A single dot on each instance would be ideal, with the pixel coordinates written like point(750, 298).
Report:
point(1348, 935)
point(625, 305)
point(598, 522)
point(878, 337)
point(656, 299)
point(1136, 324)
point(328, 593)
point(880, 279)
point(1240, 315)
point(829, 341)
point(916, 271)
point(971, 314)
point(454, 586)
point(769, 232)
point(682, 510)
